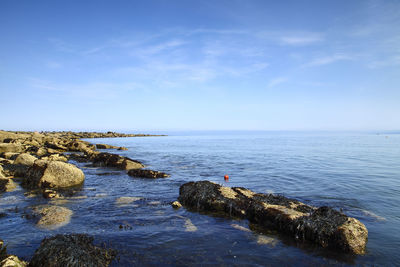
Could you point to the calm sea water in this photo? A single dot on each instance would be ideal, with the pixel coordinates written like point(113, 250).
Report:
point(358, 173)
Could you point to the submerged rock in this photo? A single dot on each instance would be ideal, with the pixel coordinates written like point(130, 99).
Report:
point(323, 226)
point(52, 217)
point(147, 173)
point(53, 174)
point(71, 250)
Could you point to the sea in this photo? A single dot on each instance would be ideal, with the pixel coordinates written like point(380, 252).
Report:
point(357, 173)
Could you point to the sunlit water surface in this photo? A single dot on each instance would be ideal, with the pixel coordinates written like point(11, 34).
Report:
point(358, 173)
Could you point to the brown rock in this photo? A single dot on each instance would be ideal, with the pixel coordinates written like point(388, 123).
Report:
point(323, 226)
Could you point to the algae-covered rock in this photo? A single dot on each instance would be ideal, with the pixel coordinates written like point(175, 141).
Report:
point(53, 174)
point(71, 250)
point(147, 173)
point(322, 226)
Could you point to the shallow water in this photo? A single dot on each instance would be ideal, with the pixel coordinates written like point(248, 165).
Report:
point(358, 173)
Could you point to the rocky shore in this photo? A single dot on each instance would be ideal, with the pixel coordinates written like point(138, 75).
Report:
point(40, 162)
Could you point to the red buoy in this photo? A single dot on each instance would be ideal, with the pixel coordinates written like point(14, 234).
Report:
point(226, 177)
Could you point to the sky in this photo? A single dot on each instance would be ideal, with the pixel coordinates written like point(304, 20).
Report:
point(200, 65)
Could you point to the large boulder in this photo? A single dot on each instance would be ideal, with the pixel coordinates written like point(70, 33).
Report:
point(53, 174)
point(323, 226)
point(70, 250)
point(52, 217)
point(113, 160)
point(147, 174)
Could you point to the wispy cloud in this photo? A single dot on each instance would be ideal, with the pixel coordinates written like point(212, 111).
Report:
point(277, 81)
point(328, 60)
point(301, 39)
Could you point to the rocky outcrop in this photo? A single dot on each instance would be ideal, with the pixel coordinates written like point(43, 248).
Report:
point(51, 217)
point(323, 226)
point(71, 250)
point(53, 174)
point(147, 174)
point(116, 161)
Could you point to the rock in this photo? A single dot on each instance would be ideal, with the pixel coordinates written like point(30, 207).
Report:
point(122, 148)
point(147, 173)
point(55, 145)
point(9, 260)
point(9, 155)
point(103, 146)
point(52, 217)
point(113, 160)
point(48, 193)
point(53, 174)
point(11, 147)
point(25, 159)
point(2, 175)
point(55, 157)
point(13, 261)
point(126, 200)
point(7, 185)
point(176, 205)
point(323, 226)
point(71, 250)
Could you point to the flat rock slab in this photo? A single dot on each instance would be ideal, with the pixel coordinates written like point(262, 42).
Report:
point(71, 250)
point(323, 226)
point(147, 174)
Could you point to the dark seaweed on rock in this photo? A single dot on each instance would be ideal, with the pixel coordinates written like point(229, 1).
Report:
point(71, 250)
point(147, 174)
point(322, 226)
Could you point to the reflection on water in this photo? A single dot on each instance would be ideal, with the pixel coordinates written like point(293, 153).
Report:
point(355, 173)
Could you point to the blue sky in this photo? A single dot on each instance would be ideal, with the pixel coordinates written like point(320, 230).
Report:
point(200, 65)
